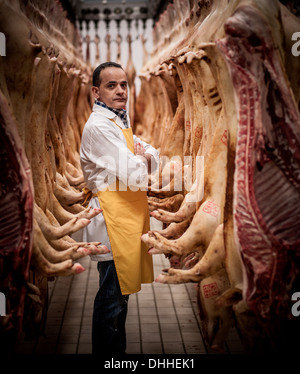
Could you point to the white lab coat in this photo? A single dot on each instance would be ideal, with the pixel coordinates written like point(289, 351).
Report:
point(104, 156)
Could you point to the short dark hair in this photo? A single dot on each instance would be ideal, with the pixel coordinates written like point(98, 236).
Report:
point(97, 71)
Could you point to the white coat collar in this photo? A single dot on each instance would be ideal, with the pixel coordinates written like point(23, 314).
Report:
point(110, 115)
point(104, 111)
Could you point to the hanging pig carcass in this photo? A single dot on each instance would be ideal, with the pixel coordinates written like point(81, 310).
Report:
point(239, 84)
point(44, 104)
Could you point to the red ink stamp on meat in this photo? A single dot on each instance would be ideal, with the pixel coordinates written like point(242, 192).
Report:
point(210, 290)
point(198, 133)
point(188, 125)
point(211, 208)
point(224, 138)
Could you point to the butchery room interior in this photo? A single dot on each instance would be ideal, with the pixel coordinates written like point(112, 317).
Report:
point(204, 122)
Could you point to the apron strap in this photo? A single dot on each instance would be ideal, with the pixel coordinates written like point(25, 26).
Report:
point(115, 123)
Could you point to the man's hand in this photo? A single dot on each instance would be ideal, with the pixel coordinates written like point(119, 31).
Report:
point(139, 149)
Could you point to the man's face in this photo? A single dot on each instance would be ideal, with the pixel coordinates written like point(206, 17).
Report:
point(113, 89)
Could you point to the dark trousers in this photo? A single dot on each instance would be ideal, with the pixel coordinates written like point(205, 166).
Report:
point(110, 311)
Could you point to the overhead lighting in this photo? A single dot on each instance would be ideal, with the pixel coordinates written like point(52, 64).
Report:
point(118, 10)
point(128, 11)
point(107, 11)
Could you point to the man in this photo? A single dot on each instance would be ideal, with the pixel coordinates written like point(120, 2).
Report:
point(115, 165)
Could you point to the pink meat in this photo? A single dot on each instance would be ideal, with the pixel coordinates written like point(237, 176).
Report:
point(267, 174)
point(16, 217)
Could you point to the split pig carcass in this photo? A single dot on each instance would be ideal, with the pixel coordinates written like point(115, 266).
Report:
point(44, 103)
point(236, 233)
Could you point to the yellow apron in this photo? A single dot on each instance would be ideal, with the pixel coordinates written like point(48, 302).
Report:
point(126, 216)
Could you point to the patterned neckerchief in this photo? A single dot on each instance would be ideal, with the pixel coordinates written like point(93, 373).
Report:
point(121, 113)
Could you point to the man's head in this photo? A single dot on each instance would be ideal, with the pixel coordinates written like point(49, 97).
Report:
point(110, 85)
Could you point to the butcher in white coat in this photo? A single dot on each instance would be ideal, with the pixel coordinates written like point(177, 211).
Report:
point(115, 165)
